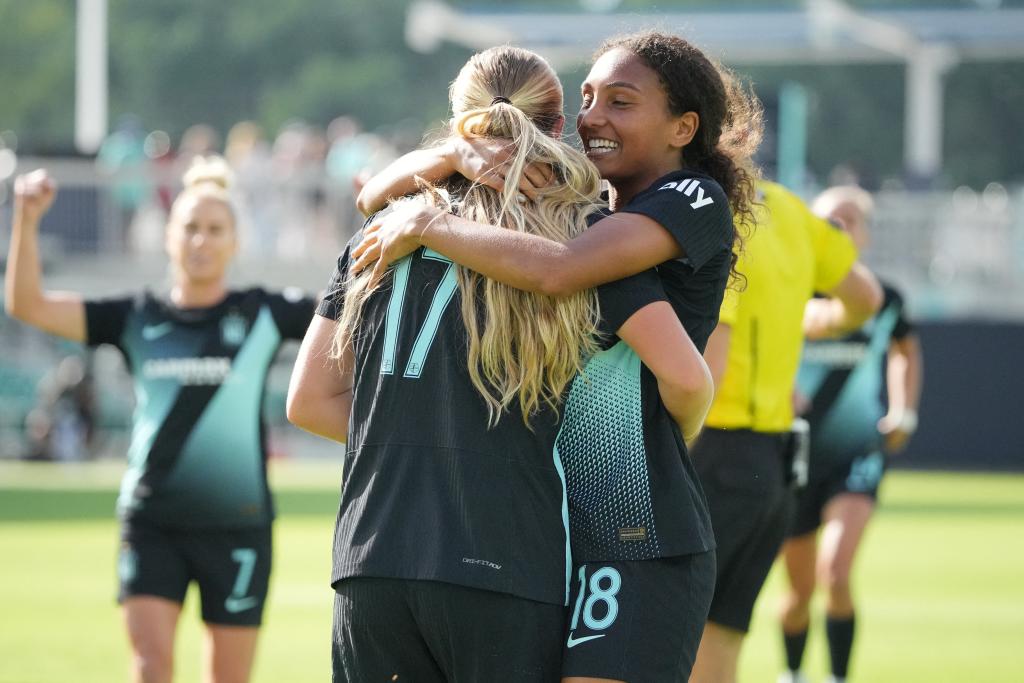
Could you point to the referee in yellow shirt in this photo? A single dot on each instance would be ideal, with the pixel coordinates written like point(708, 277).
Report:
point(742, 456)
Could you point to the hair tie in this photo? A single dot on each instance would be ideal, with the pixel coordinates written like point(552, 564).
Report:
point(500, 98)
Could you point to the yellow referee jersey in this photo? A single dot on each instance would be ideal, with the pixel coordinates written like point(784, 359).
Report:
point(789, 256)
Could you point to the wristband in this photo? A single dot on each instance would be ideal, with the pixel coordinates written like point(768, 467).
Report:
point(908, 421)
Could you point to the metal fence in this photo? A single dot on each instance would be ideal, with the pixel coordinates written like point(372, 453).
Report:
point(955, 254)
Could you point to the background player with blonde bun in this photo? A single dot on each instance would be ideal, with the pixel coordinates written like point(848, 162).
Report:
point(194, 503)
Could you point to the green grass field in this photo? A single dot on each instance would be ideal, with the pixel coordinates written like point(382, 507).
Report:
point(940, 580)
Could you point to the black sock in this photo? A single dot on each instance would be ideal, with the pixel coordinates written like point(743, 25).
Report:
point(840, 642)
point(795, 643)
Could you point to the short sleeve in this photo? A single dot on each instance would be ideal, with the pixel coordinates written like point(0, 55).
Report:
point(334, 294)
point(619, 300)
point(834, 253)
point(292, 310)
point(903, 328)
point(105, 320)
point(694, 209)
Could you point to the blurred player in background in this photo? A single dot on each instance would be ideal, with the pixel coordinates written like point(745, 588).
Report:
point(451, 557)
point(672, 132)
point(839, 389)
point(743, 454)
point(194, 503)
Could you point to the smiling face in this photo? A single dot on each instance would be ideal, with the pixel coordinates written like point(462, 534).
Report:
point(201, 239)
point(625, 123)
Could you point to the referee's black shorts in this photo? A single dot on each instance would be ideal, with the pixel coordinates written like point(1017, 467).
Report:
point(744, 479)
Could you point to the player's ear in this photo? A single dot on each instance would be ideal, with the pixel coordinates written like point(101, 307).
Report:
point(685, 129)
point(556, 130)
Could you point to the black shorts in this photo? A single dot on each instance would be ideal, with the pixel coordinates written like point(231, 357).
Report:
point(433, 632)
point(231, 566)
point(744, 478)
point(832, 477)
point(638, 621)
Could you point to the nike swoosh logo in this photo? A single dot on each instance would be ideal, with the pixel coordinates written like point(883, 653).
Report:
point(573, 642)
point(151, 332)
point(235, 605)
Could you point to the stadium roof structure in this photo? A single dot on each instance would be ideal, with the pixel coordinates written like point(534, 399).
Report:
point(929, 41)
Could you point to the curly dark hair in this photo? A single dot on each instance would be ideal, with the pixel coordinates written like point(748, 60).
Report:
point(731, 117)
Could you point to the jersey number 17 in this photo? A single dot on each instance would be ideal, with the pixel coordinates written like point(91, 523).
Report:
point(442, 297)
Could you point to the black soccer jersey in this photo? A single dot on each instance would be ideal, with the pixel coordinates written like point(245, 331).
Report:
point(197, 453)
point(842, 380)
point(430, 491)
point(694, 209)
point(632, 488)
point(633, 492)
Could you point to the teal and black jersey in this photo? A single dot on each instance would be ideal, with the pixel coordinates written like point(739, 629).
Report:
point(633, 492)
point(842, 379)
point(694, 209)
point(197, 456)
point(430, 489)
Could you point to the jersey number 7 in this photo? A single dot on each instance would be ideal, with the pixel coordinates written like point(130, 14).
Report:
point(442, 297)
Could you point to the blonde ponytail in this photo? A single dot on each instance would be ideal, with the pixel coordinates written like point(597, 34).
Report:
point(523, 347)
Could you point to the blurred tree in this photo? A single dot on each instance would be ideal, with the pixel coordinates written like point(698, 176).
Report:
point(37, 49)
point(179, 62)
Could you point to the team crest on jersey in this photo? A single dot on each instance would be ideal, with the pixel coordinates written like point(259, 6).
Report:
point(233, 328)
point(688, 187)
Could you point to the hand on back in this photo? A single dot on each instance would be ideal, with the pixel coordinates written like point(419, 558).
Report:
point(392, 237)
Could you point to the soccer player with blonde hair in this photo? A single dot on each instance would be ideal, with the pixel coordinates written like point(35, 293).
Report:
point(194, 502)
point(452, 557)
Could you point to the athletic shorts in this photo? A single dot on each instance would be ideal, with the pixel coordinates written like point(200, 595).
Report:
point(432, 632)
point(744, 478)
point(862, 475)
point(638, 621)
point(231, 566)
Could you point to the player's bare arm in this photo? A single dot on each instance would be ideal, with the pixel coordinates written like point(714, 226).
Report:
point(850, 304)
point(59, 313)
point(615, 247)
point(904, 377)
point(684, 381)
point(320, 390)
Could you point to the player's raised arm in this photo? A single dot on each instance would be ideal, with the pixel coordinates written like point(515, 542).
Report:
point(483, 160)
point(59, 313)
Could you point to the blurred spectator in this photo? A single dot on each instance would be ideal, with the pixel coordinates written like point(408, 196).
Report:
point(198, 140)
point(298, 161)
point(353, 158)
point(122, 159)
point(248, 153)
point(61, 426)
point(161, 155)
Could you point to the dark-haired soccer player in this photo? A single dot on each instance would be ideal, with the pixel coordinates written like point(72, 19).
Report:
point(839, 385)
